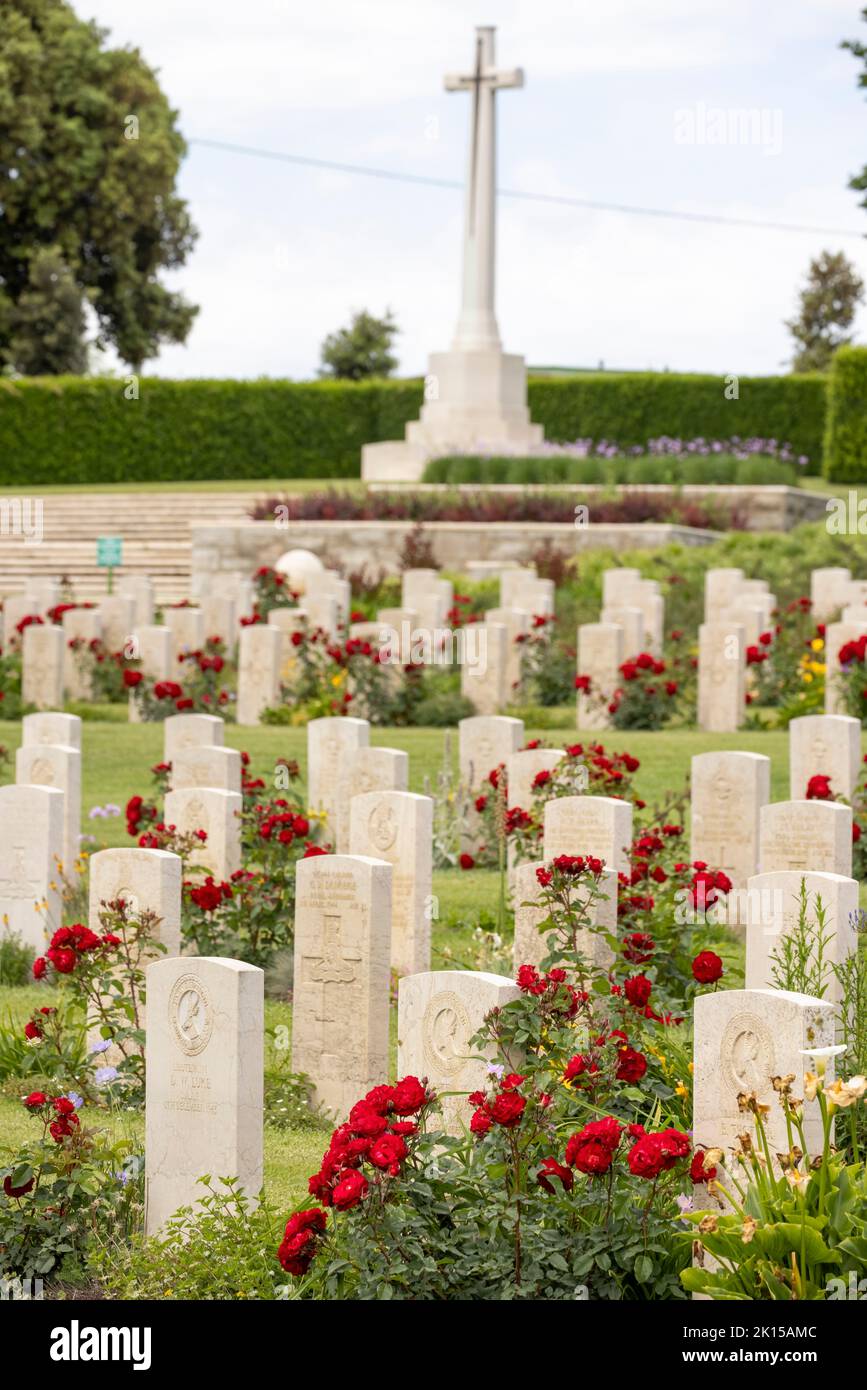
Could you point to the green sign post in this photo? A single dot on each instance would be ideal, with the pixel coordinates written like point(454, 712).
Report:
point(109, 554)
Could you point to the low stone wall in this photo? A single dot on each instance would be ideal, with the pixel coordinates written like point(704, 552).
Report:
point(772, 508)
point(377, 544)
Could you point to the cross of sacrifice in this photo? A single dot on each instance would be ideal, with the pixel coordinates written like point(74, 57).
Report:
point(477, 325)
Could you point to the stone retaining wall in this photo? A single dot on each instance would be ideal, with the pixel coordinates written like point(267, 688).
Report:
point(377, 544)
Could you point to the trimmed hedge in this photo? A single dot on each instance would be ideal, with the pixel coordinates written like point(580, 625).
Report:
point(846, 430)
point(84, 430)
point(718, 469)
point(633, 407)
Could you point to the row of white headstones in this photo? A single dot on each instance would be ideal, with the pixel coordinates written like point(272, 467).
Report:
point(368, 908)
point(737, 611)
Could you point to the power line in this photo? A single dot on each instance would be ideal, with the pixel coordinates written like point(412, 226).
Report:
point(566, 200)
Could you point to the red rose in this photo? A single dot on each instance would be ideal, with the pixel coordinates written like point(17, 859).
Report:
point(63, 960)
point(552, 1169)
point(856, 832)
point(467, 861)
point(408, 1096)
point(17, 1191)
point(697, 1169)
point(350, 1190)
point(637, 990)
point(388, 1151)
point(207, 896)
point(819, 788)
point(707, 968)
point(631, 1066)
point(132, 679)
point(507, 1109)
point(481, 1121)
point(365, 1121)
point(32, 1030)
point(35, 1100)
point(40, 966)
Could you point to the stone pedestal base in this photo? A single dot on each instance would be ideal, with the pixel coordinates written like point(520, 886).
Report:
point(475, 401)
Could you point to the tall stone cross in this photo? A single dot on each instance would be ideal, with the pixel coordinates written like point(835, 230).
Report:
point(477, 324)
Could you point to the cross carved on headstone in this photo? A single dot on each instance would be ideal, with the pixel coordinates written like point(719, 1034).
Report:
point(336, 966)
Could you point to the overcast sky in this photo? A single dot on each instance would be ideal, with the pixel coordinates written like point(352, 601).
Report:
point(620, 105)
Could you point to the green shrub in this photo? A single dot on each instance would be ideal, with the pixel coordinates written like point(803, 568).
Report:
point(764, 471)
point(846, 429)
point(85, 430)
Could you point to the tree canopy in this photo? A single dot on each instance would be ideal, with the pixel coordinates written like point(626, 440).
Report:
point(89, 155)
point(361, 350)
point(826, 310)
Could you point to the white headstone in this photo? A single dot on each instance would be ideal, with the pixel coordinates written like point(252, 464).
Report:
point(207, 766)
point(56, 765)
point(364, 770)
point(397, 826)
point(205, 1060)
point(438, 1013)
point(728, 790)
point(828, 588)
point(814, 835)
point(484, 742)
point(485, 682)
point(50, 726)
point(217, 813)
point(81, 626)
point(340, 1006)
point(327, 741)
point(743, 1038)
point(600, 826)
point(530, 945)
point(42, 650)
point(147, 880)
point(118, 615)
point(773, 911)
point(260, 656)
point(828, 745)
point(191, 731)
point(721, 677)
point(31, 847)
point(601, 652)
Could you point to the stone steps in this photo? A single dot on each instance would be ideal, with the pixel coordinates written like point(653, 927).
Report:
point(155, 527)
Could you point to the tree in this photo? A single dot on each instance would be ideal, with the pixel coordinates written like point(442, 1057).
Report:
point(859, 182)
point(89, 154)
point(827, 308)
point(47, 324)
point(362, 350)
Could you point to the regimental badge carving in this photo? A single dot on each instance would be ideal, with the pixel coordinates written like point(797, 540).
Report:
point(42, 772)
point(382, 826)
point(747, 1054)
point(722, 787)
point(197, 815)
point(446, 1031)
point(191, 1015)
point(133, 904)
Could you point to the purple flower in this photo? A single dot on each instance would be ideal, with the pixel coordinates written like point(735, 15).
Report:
point(103, 1075)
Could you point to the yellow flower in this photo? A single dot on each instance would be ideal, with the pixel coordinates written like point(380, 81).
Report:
point(681, 1090)
point(817, 644)
point(807, 677)
point(691, 1068)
